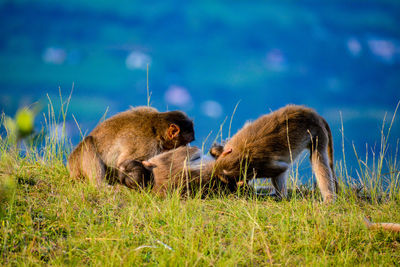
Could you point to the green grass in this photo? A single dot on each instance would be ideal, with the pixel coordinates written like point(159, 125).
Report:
point(46, 218)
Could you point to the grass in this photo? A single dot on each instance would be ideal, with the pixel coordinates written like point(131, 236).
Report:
point(46, 218)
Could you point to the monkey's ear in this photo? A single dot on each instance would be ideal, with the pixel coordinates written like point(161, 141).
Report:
point(173, 131)
point(226, 152)
point(148, 165)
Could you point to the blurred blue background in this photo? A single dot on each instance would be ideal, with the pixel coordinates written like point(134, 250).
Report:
point(204, 57)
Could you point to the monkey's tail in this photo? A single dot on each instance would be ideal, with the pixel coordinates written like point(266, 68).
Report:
point(330, 155)
point(393, 227)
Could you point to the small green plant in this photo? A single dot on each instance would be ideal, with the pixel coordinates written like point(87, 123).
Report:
point(21, 126)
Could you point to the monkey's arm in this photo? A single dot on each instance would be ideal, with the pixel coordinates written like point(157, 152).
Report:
point(137, 148)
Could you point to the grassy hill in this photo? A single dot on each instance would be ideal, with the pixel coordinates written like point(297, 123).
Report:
point(47, 218)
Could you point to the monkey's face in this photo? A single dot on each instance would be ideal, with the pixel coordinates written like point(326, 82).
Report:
point(176, 138)
point(228, 174)
point(185, 137)
point(228, 166)
point(180, 130)
point(187, 130)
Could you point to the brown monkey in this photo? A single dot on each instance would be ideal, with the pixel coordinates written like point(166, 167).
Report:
point(267, 146)
point(182, 168)
point(134, 135)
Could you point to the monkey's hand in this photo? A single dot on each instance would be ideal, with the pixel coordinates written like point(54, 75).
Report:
point(216, 150)
point(133, 174)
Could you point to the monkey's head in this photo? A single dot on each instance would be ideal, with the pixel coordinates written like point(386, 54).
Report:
point(133, 174)
point(228, 166)
point(178, 129)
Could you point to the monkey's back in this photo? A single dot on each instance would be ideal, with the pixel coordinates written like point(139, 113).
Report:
point(275, 134)
point(132, 130)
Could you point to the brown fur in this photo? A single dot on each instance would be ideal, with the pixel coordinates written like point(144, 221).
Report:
point(182, 168)
point(132, 173)
point(267, 146)
point(134, 135)
point(392, 227)
point(216, 150)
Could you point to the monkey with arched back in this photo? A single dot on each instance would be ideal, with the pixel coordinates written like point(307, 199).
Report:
point(267, 147)
point(117, 146)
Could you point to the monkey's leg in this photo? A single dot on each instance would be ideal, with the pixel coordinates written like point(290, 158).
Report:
point(279, 183)
point(73, 164)
point(323, 174)
point(85, 162)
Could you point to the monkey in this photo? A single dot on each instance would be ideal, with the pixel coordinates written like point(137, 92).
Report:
point(267, 147)
point(185, 168)
point(182, 168)
point(133, 135)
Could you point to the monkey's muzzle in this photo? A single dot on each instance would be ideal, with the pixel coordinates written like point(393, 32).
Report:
point(223, 179)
